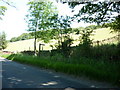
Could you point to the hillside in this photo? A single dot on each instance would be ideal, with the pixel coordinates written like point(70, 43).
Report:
point(98, 34)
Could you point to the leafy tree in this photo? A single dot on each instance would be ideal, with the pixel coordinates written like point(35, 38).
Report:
point(66, 46)
point(61, 28)
point(4, 8)
point(2, 11)
point(85, 35)
point(98, 12)
point(61, 31)
point(38, 16)
point(13, 39)
point(46, 35)
point(23, 36)
point(116, 24)
point(85, 41)
point(3, 42)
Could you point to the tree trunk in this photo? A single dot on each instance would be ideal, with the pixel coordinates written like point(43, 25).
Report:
point(35, 51)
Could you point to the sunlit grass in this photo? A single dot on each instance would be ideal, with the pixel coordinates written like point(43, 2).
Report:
point(99, 70)
point(99, 34)
point(102, 33)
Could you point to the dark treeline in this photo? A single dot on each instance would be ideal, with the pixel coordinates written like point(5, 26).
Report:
point(46, 35)
point(24, 36)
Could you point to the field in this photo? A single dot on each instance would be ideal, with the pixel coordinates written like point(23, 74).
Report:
point(101, 62)
point(98, 34)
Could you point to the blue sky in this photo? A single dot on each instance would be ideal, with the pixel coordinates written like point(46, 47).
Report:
point(13, 22)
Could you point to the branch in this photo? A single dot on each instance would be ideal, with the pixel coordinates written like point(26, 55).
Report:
point(104, 13)
point(8, 3)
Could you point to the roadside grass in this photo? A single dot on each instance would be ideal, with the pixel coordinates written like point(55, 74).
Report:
point(4, 55)
point(98, 70)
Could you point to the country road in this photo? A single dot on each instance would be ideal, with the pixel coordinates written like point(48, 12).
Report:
point(16, 75)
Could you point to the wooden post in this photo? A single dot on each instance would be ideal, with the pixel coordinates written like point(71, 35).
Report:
point(40, 47)
point(98, 43)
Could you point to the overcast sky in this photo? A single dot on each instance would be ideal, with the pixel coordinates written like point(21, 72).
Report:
point(13, 22)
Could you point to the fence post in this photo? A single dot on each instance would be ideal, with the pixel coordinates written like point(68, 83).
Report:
point(40, 47)
point(98, 42)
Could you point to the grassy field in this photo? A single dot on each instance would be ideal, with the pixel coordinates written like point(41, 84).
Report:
point(98, 34)
point(97, 62)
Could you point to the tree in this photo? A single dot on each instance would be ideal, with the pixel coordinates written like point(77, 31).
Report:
point(98, 12)
point(3, 42)
point(85, 36)
point(46, 35)
point(61, 28)
point(2, 11)
point(4, 8)
point(61, 31)
point(38, 16)
point(23, 36)
point(116, 24)
point(13, 39)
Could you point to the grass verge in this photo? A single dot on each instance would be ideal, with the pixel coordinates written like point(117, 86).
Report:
point(98, 70)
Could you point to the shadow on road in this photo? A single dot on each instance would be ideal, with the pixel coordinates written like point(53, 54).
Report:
point(17, 75)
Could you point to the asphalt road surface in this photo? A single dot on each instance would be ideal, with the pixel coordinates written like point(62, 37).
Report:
point(16, 75)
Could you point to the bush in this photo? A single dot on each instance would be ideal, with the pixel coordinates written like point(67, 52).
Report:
point(105, 52)
point(58, 57)
point(28, 52)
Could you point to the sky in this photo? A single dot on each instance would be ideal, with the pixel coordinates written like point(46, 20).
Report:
point(13, 23)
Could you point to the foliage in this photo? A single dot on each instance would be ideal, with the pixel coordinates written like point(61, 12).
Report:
point(27, 52)
point(4, 8)
point(116, 24)
point(38, 16)
point(85, 41)
point(85, 35)
point(61, 28)
point(98, 12)
point(66, 47)
point(107, 52)
point(3, 42)
point(45, 35)
point(23, 36)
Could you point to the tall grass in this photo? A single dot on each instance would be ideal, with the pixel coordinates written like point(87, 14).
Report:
point(98, 62)
point(98, 70)
point(107, 52)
